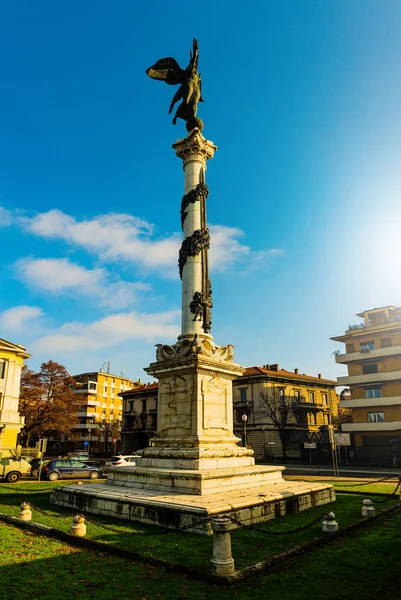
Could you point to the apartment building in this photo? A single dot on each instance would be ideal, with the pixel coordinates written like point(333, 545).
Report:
point(139, 416)
point(100, 410)
point(309, 405)
point(12, 358)
point(373, 358)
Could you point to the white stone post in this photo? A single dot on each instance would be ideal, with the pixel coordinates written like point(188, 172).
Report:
point(330, 524)
point(222, 561)
point(194, 150)
point(368, 510)
point(25, 513)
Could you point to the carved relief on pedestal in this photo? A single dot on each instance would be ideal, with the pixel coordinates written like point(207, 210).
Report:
point(214, 402)
point(193, 347)
point(175, 395)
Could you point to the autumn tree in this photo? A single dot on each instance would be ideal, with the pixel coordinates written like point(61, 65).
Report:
point(47, 401)
point(279, 409)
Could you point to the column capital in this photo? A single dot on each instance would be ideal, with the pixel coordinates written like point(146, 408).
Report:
point(194, 147)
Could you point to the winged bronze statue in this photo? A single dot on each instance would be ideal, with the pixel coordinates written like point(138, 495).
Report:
point(190, 90)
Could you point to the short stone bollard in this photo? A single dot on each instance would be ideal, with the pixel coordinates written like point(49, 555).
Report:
point(368, 510)
point(222, 561)
point(25, 514)
point(78, 528)
point(329, 523)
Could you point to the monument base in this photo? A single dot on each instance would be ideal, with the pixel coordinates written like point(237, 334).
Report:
point(193, 512)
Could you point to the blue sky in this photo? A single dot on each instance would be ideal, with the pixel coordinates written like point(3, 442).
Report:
point(302, 99)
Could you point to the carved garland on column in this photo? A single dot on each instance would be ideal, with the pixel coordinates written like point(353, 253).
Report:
point(193, 196)
point(193, 245)
point(201, 307)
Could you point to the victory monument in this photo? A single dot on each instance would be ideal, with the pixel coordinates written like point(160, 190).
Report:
point(195, 469)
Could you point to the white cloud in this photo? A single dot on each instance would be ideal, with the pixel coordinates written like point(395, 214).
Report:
point(115, 237)
point(60, 276)
point(111, 237)
point(226, 250)
point(19, 318)
point(5, 217)
point(109, 331)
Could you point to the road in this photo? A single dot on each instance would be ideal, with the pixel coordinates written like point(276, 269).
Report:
point(346, 471)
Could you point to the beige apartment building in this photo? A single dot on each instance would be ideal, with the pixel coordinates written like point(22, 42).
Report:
point(312, 406)
point(373, 359)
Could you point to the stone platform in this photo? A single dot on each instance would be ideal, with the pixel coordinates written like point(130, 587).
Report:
point(192, 512)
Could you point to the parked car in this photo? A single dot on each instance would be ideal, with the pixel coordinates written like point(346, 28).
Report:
point(35, 465)
point(123, 460)
point(83, 457)
point(61, 468)
point(12, 469)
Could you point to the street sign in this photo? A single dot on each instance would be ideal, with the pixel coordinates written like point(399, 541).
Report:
point(342, 439)
point(311, 445)
point(86, 443)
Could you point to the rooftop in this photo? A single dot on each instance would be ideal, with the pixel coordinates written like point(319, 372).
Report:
point(275, 372)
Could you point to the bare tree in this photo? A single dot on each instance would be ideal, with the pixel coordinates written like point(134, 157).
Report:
point(108, 427)
point(279, 409)
point(47, 401)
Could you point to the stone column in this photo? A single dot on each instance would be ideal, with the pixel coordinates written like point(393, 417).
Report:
point(222, 561)
point(194, 150)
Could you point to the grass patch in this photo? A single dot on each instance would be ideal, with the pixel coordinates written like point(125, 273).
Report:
point(364, 566)
point(249, 545)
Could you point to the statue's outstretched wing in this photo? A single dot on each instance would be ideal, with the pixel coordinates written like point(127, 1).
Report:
point(168, 70)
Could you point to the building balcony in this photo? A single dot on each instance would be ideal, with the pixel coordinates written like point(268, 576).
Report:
point(369, 402)
point(370, 378)
point(310, 406)
point(91, 402)
point(367, 427)
point(360, 356)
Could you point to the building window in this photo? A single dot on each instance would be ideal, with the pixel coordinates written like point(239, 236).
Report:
point(386, 342)
point(297, 395)
point(143, 405)
point(92, 386)
point(373, 393)
point(366, 346)
point(375, 417)
point(2, 369)
point(370, 368)
point(325, 399)
point(281, 395)
point(242, 394)
point(349, 348)
point(311, 397)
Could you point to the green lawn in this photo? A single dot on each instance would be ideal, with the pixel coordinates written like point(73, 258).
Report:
point(249, 545)
point(364, 566)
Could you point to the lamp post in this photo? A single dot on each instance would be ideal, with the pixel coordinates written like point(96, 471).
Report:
point(244, 420)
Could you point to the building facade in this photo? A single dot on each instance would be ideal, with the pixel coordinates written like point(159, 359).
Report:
point(373, 358)
point(139, 417)
point(99, 410)
point(12, 358)
point(307, 405)
point(313, 400)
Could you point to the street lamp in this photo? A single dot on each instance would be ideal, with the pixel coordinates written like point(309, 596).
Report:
point(244, 420)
